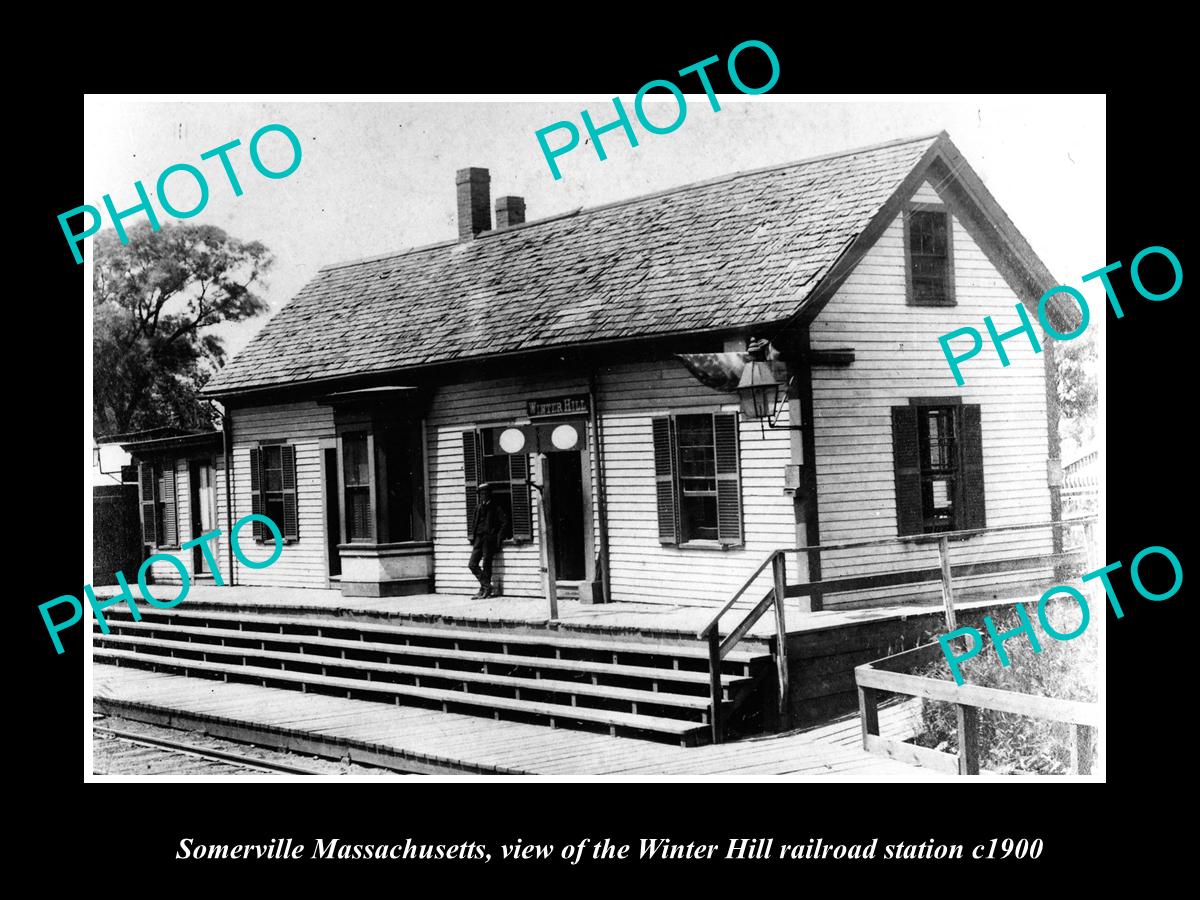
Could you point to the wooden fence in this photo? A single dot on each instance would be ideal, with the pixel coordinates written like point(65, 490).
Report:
point(894, 675)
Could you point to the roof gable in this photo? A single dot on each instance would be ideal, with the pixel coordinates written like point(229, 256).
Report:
point(738, 251)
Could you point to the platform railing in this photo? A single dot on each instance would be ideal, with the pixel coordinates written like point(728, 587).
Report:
point(718, 649)
point(944, 573)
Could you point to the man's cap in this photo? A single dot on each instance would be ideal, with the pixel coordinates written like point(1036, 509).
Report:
point(486, 486)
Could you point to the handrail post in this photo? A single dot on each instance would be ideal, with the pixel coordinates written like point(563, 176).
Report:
point(714, 680)
point(779, 567)
point(868, 712)
point(968, 739)
point(947, 582)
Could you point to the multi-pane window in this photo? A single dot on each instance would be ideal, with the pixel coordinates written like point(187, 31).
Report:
point(697, 477)
point(930, 267)
point(273, 490)
point(496, 473)
point(356, 466)
point(272, 463)
point(937, 435)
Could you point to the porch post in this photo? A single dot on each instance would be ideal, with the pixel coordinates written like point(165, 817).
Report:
point(546, 531)
point(947, 583)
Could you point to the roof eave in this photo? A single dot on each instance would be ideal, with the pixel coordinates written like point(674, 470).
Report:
point(323, 384)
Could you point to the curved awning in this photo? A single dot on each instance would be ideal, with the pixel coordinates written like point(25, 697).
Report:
point(719, 371)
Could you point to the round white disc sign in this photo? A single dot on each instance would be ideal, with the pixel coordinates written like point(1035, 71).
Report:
point(564, 437)
point(512, 440)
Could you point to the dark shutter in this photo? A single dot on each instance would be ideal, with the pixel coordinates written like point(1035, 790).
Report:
point(256, 498)
point(522, 505)
point(471, 474)
point(906, 453)
point(970, 479)
point(147, 485)
point(291, 519)
point(170, 522)
point(729, 486)
point(664, 475)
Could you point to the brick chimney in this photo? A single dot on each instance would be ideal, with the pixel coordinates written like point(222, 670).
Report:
point(474, 202)
point(510, 211)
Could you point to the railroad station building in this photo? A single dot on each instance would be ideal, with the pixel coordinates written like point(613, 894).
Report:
point(751, 362)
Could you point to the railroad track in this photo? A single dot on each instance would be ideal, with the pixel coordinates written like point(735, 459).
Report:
point(127, 753)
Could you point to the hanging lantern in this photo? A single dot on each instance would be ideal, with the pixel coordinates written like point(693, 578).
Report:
point(758, 389)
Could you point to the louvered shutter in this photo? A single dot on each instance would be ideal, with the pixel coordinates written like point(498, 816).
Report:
point(522, 504)
point(729, 482)
point(906, 456)
point(147, 489)
point(256, 498)
point(291, 519)
point(970, 479)
point(664, 475)
point(170, 520)
point(471, 467)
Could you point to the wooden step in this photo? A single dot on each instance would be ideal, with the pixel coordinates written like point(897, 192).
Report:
point(649, 673)
point(559, 640)
point(687, 702)
point(686, 732)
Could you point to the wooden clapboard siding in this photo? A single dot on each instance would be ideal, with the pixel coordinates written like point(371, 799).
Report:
point(630, 396)
point(165, 573)
point(303, 425)
point(457, 408)
point(897, 356)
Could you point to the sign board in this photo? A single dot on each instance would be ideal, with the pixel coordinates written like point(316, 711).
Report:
point(561, 436)
point(574, 405)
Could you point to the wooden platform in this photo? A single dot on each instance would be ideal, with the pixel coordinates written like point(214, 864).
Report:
point(648, 619)
point(823, 648)
point(423, 741)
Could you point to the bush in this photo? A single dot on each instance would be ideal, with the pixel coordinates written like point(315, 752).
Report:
point(1067, 670)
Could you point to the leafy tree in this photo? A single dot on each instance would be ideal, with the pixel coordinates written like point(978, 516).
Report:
point(1077, 388)
point(156, 299)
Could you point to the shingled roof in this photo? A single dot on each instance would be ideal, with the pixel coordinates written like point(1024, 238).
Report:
point(740, 250)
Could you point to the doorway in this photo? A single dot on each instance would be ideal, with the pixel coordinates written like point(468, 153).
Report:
point(333, 515)
point(567, 514)
point(204, 512)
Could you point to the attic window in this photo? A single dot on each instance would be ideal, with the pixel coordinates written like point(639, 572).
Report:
point(928, 255)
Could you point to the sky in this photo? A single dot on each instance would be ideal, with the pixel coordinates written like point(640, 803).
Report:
point(378, 177)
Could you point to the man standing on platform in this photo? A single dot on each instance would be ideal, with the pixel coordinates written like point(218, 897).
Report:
point(487, 534)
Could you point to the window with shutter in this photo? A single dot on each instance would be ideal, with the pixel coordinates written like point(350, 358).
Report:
point(698, 479)
point(664, 475)
point(148, 497)
point(273, 486)
point(508, 476)
point(938, 453)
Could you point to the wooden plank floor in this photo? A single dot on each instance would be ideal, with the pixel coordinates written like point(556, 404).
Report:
point(474, 743)
point(683, 620)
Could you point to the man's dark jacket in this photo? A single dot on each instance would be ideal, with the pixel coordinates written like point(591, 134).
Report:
point(490, 520)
